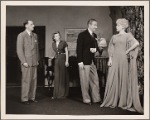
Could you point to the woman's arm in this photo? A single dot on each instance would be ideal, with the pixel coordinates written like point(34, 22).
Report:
point(110, 61)
point(110, 51)
point(53, 51)
point(66, 51)
point(136, 44)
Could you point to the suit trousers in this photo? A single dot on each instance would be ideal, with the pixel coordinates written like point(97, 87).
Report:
point(29, 83)
point(89, 82)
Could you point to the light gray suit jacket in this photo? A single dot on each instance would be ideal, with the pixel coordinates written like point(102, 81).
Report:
point(27, 48)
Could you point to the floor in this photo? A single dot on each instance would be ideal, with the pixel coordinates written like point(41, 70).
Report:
point(70, 106)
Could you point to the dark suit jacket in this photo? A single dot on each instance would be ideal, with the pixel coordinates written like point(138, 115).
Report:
point(27, 48)
point(84, 42)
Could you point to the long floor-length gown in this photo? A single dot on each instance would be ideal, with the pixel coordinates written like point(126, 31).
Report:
point(61, 80)
point(122, 83)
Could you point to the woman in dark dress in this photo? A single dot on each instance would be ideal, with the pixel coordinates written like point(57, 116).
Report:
point(61, 80)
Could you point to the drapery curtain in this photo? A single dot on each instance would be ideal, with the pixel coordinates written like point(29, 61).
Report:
point(135, 16)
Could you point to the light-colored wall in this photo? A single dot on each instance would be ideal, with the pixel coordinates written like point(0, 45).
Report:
point(58, 18)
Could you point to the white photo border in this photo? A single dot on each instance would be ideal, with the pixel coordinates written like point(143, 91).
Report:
point(74, 3)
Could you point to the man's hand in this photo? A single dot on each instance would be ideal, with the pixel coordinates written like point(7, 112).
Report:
point(66, 64)
point(81, 65)
point(25, 65)
point(93, 50)
point(37, 63)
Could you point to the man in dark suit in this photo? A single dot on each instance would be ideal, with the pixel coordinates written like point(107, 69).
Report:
point(86, 47)
point(27, 51)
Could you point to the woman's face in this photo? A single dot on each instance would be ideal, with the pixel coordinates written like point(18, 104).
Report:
point(57, 37)
point(119, 27)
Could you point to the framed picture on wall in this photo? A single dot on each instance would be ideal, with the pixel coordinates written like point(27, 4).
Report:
point(71, 35)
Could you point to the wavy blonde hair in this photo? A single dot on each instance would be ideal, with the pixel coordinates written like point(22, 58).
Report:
point(123, 22)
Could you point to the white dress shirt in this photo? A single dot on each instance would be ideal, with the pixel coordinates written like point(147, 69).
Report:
point(91, 33)
point(29, 33)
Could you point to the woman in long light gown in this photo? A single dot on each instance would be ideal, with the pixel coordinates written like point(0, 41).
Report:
point(122, 82)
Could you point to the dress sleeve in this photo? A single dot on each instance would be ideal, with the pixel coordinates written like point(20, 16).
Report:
point(54, 46)
point(65, 44)
point(111, 47)
point(131, 39)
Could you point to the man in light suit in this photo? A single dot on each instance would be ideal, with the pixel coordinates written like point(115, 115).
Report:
point(27, 51)
point(86, 48)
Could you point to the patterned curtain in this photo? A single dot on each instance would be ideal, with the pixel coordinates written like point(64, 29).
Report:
point(135, 16)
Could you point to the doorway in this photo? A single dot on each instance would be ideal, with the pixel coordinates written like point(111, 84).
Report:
point(13, 69)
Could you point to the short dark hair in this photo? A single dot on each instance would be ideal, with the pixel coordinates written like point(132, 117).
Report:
point(26, 22)
point(55, 34)
point(91, 20)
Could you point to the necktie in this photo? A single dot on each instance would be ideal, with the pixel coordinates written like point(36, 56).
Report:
point(30, 35)
point(93, 35)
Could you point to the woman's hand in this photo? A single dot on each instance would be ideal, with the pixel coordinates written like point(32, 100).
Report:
point(97, 54)
point(110, 63)
point(127, 52)
point(66, 64)
point(37, 63)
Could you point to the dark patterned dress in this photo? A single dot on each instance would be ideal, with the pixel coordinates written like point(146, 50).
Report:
point(61, 80)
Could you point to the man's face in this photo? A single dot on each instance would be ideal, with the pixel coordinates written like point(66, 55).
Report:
point(30, 26)
point(93, 26)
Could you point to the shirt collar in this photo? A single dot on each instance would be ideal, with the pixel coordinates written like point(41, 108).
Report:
point(91, 33)
point(29, 33)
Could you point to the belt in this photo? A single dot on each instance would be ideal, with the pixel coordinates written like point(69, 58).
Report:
point(60, 53)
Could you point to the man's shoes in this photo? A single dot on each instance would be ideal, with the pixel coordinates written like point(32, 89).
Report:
point(89, 103)
point(25, 102)
point(98, 102)
point(33, 101)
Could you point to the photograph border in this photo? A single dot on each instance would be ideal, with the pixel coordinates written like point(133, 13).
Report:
point(74, 3)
